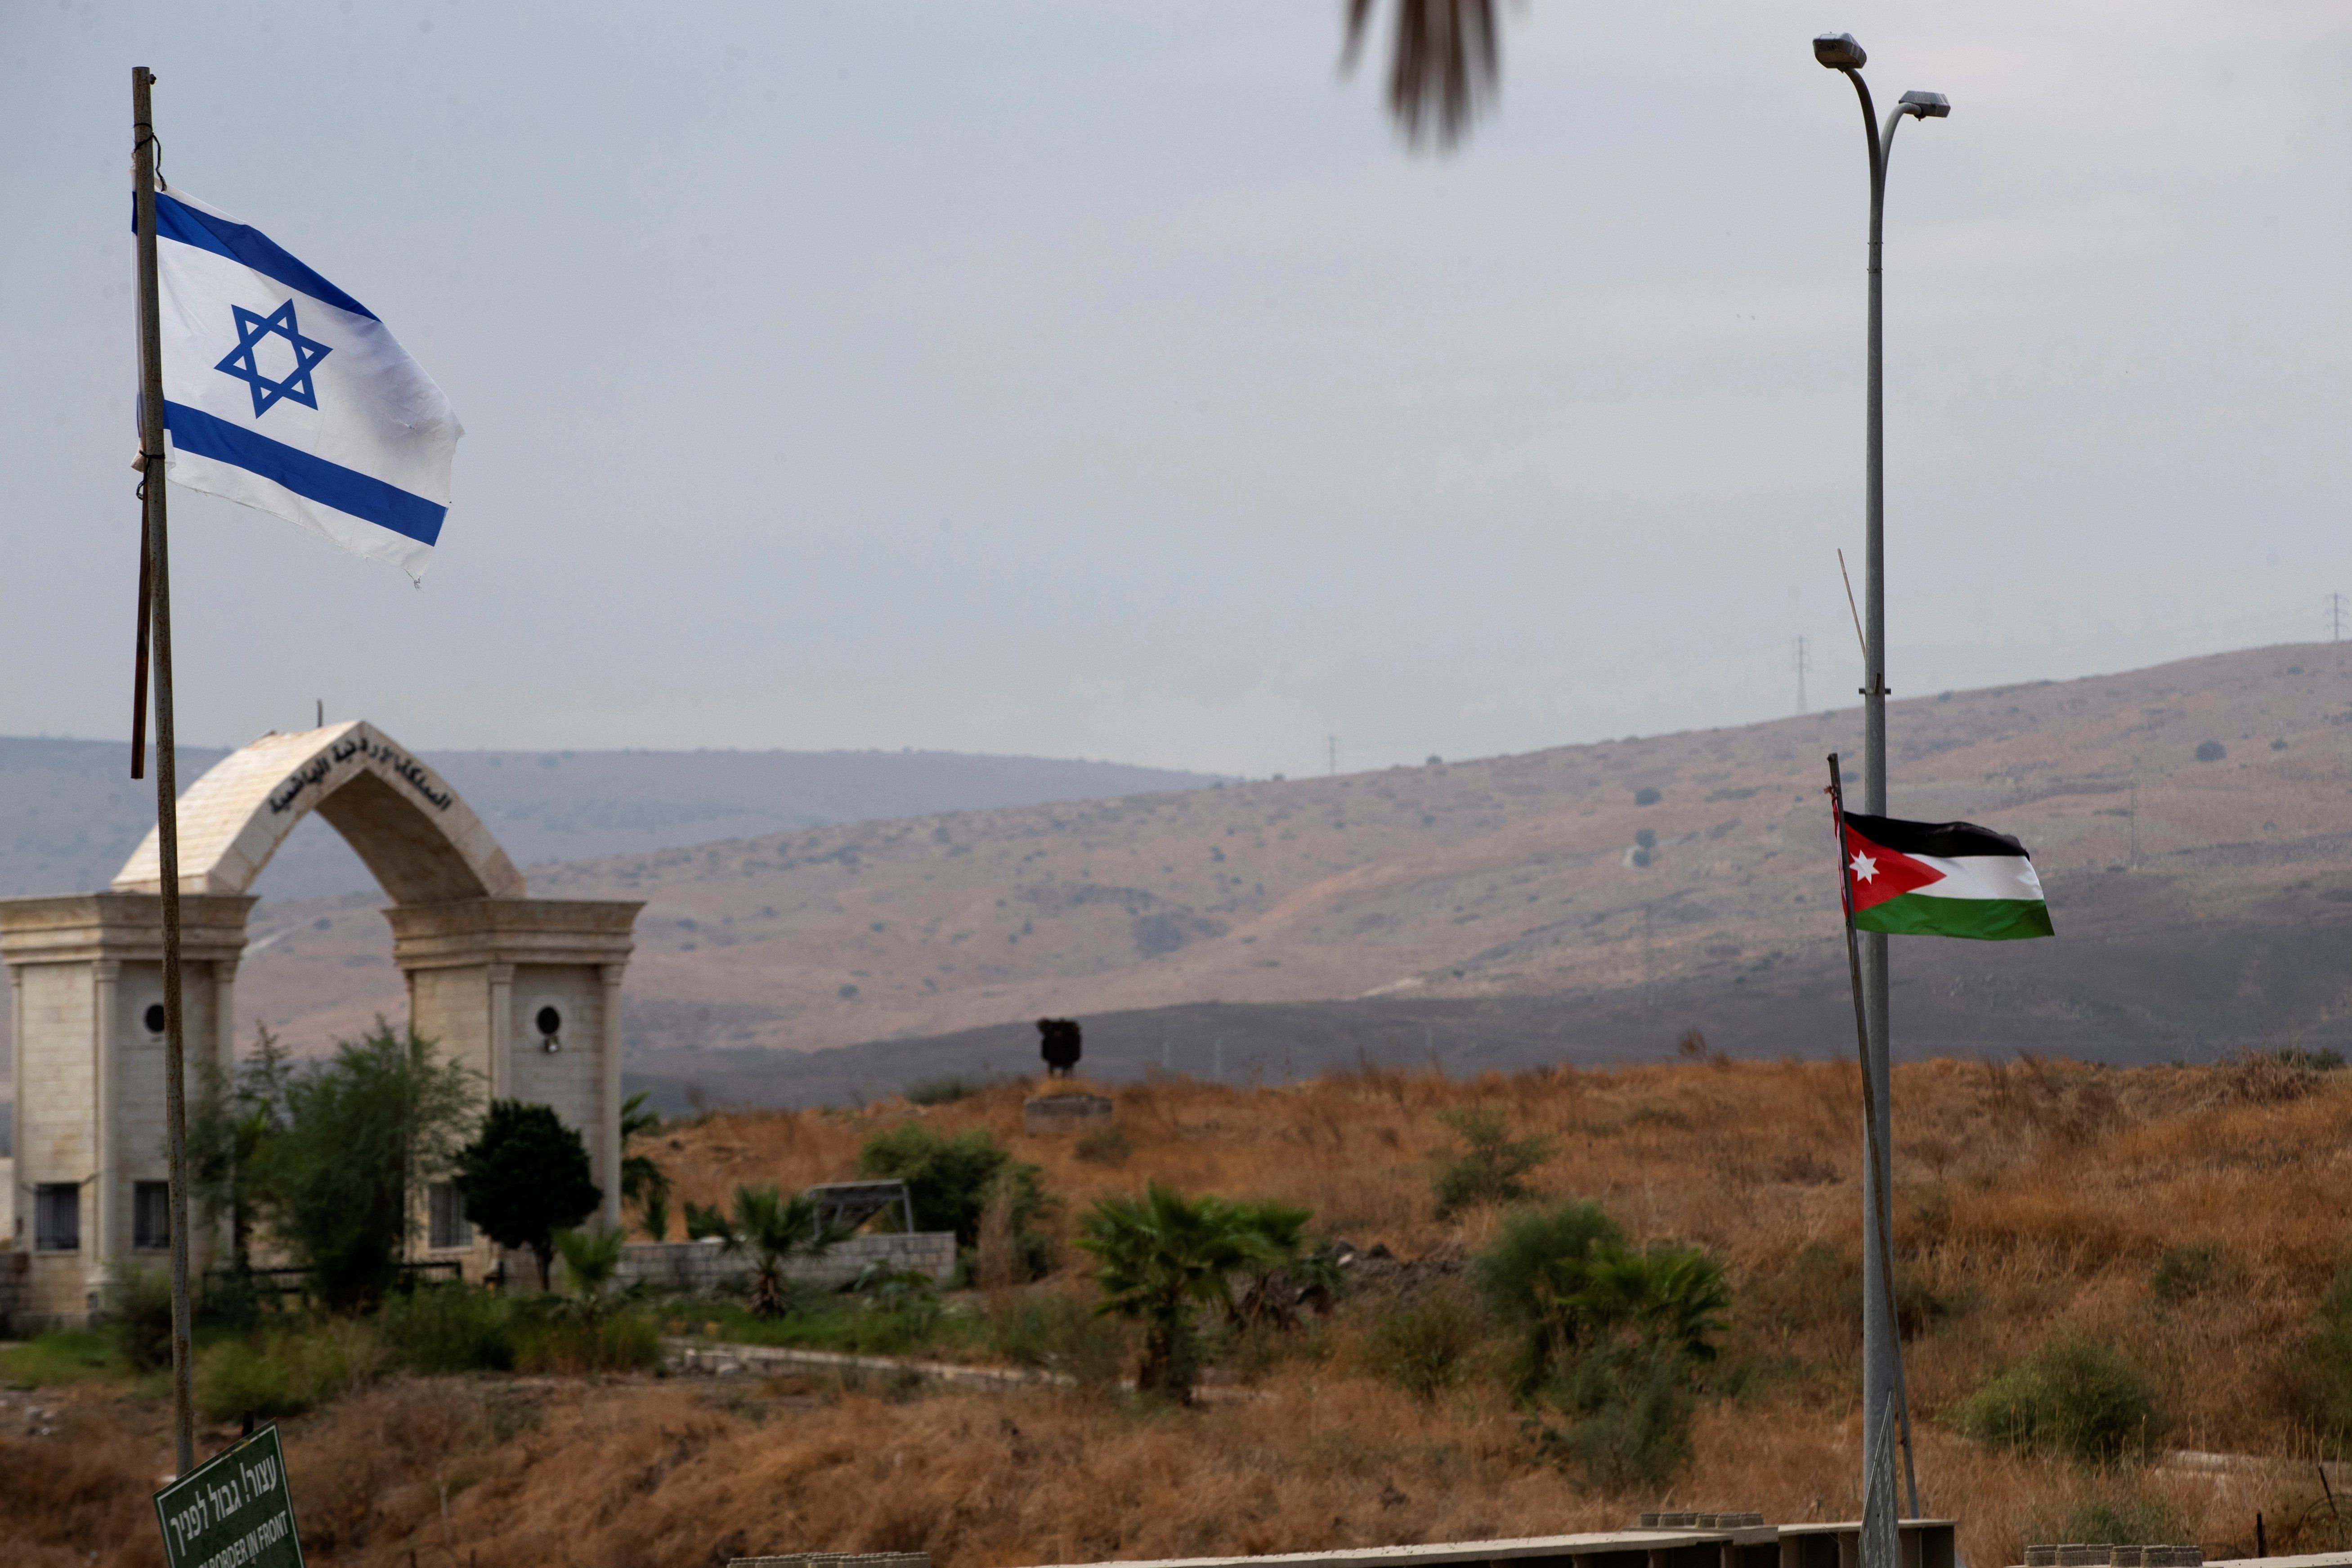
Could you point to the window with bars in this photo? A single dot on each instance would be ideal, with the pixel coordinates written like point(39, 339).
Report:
point(449, 1226)
point(150, 1216)
point(56, 1217)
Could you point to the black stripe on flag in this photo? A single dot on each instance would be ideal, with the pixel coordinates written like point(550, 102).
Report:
point(1946, 840)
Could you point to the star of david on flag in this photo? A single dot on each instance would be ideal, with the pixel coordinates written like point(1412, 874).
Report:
point(242, 362)
point(282, 392)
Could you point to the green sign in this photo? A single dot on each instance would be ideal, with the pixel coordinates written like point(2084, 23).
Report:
point(233, 1510)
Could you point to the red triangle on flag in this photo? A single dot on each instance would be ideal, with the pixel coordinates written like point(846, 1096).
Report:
point(1879, 873)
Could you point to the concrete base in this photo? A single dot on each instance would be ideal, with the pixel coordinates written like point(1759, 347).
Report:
point(1046, 1115)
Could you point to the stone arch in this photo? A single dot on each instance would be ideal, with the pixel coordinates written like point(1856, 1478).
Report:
point(423, 844)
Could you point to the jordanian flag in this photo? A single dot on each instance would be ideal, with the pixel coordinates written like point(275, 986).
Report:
point(1941, 878)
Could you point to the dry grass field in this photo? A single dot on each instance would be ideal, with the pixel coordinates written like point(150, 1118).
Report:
point(2035, 1199)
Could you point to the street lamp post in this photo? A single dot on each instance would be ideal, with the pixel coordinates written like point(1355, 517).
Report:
point(1881, 1351)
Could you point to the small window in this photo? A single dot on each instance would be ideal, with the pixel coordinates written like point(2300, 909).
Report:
point(449, 1226)
point(56, 1217)
point(153, 1017)
point(150, 1216)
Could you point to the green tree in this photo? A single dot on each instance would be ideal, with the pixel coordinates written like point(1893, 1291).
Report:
point(364, 1133)
point(774, 1229)
point(234, 1115)
point(1491, 1166)
point(643, 1181)
point(524, 1177)
point(1158, 1260)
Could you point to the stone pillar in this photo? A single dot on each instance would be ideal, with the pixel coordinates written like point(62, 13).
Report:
point(499, 1029)
point(225, 1043)
point(98, 1242)
point(609, 1016)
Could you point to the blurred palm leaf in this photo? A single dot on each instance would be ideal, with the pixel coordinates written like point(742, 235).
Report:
point(1445, 64)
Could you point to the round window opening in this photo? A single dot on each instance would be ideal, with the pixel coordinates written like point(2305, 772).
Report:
point(153, 1017)
point(550, 1021)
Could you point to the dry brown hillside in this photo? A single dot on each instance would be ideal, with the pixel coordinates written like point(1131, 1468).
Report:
point(1503, 878)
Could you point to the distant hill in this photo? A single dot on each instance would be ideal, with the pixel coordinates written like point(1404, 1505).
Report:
point(1500, 910)
point(72, 814)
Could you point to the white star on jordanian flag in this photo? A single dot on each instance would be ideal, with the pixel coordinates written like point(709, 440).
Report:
point(1864, 867)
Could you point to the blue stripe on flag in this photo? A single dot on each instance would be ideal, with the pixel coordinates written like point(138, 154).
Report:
point(315, 479)
point(245, 245)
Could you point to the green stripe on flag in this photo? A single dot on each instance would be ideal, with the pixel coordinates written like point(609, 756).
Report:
point(1986, 920)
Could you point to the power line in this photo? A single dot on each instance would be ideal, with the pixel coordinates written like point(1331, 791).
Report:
point(1804, 663)
point(2334, 617)
point(1334, 742)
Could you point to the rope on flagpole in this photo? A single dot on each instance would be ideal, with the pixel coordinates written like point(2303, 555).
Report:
point(1882, 1169)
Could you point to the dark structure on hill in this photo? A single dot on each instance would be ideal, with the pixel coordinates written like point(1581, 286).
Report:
point(1058, 1043)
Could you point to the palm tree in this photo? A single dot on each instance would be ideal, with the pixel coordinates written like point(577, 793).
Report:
point(591, 1256)
point(1158, 1260)
point(773, 1229)
point(643, 1181)
point(1445, 65)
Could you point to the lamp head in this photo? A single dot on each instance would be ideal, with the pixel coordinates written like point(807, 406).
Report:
point(1840, 52)
point(1926, 105)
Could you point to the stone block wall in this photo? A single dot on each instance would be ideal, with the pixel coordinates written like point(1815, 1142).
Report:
point(704, 1265)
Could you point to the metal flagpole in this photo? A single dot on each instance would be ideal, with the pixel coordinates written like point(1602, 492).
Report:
point(1882, 1354)
point(157, 570)
point(1881, 1220)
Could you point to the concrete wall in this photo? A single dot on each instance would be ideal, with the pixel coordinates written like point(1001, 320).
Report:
point(705, 1265)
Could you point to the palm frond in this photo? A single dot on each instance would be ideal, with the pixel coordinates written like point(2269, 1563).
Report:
point(1445, 65)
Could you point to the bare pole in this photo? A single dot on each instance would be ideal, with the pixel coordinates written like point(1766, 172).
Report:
point(1882, 1216)
point(158, 572)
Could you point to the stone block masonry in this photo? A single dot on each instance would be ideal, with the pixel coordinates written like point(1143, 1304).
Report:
point(704, 1265)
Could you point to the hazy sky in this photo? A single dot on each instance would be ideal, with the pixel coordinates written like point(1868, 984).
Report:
point(1107, 380)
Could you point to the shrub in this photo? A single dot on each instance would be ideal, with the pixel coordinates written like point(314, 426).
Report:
point(1646, 839)
point(943, 1090)
point(1054, 1332)
point(2185, 1271)
point(951, 1180)
point(1104, 1146)
point(2211, 751)
point(2073, 1396)
point(570, 1346)
point(1630, 1421)
point(1535, 1273)
point(2133, 1516)
point(2323, 1387)
point(1645, 795)
point(139, 1318)
point(1612, 1335)
point(286, 1372)
point(1426, 1348)
point(452, 1328)
point(1491, 1165)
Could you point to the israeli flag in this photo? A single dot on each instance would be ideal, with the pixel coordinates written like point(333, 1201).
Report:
point(283, 393)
